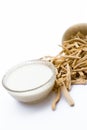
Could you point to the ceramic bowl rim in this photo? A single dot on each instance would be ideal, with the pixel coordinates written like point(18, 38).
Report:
point(47, 63)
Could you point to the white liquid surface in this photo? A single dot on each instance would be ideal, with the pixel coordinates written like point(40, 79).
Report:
point(28, 77)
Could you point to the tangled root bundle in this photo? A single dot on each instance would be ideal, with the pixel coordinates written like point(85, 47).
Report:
point(71, 66)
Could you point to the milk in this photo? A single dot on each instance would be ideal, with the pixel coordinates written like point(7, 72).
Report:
point(28, 77)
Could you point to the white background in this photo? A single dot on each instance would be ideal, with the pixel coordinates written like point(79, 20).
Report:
point(30, 29)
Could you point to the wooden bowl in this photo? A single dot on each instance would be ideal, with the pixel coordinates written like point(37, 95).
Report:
point(82, 27)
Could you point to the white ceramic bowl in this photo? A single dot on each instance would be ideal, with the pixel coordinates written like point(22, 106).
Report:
point(31, 95)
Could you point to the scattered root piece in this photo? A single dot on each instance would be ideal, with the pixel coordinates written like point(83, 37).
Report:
point(68, 83)
point(76, 40)
point(56, 100)
point(73, 57)
point(67, 95)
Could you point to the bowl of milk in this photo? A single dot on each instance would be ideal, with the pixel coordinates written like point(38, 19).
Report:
point(30, 81)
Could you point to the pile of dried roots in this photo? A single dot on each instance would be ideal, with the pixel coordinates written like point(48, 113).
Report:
point(71, 65)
